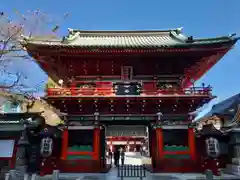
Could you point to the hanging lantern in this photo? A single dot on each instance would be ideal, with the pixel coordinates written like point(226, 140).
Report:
point(46, 147)
point(212, 147)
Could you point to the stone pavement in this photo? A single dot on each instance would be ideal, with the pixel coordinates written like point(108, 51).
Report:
point(135, 159)
point(112, 175)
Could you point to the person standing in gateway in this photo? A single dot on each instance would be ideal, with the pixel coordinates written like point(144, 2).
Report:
point(116, 157)
point(122, 154)
point(110, 155)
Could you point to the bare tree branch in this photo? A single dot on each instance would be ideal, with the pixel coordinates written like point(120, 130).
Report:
point(34, 24)
point(13, 84)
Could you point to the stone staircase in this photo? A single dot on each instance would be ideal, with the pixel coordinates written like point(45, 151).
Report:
point(20, 166)
point(20, 171)
point(233, 168)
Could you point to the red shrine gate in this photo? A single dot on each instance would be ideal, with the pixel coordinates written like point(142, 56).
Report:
point(127, 78)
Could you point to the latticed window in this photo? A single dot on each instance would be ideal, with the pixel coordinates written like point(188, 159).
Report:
point(127, 73)
point(14, 109)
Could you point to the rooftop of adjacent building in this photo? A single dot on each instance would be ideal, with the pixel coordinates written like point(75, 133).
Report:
point(228, 109)
point(228, 106)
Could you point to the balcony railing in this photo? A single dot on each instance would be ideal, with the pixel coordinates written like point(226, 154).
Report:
point(111, 92)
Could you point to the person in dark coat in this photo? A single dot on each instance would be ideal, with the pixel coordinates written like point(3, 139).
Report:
point(110, 155)
point(116, 157)
point(122, 154)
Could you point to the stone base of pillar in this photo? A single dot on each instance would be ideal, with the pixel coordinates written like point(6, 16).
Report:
point(236, 161)
point(55, 175)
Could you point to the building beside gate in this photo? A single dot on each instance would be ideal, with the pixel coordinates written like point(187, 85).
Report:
point(18, 117)
point(222, 125)
point(12, 117)
point(101, 80)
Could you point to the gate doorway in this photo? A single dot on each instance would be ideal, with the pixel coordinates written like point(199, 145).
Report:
point(130, 138)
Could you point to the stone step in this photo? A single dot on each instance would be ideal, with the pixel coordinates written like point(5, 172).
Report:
point(20, 171)
point(233, 169)
point(19, 174)
point(5, 169)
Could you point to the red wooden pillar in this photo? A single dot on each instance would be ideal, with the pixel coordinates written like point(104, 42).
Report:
point(96, 143)
point(64, 144)
point(153, 148)
point(160, 144)
point(192, 143)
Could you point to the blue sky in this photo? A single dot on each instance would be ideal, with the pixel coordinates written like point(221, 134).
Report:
point(205, 18)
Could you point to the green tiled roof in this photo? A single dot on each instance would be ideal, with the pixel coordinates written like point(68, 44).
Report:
point(127, 39)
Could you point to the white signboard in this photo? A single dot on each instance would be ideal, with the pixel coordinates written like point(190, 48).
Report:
point(6, 147)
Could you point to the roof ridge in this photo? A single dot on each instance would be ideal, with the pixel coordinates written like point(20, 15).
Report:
point(125, 31)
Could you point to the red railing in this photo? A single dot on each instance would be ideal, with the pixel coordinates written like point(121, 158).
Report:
point(111, 91)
